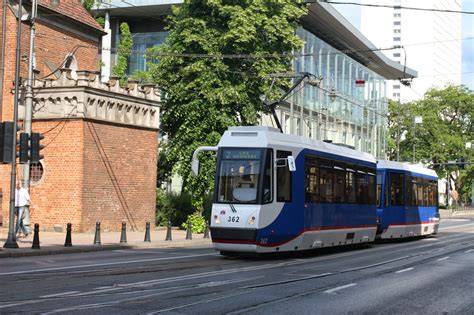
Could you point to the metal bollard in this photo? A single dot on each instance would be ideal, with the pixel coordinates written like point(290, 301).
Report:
point(36, 240)
point(206, 231)
point(189, 233)
point(147, 232)
point(123, 235)
point(168, 232)
point(97, 234)
point(68, 242)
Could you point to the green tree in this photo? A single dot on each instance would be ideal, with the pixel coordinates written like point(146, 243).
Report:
point(88, 4)
point(214, 66)
point(448, 116)
point(124, 50)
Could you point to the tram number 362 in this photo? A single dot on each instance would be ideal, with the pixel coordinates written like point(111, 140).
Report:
point(233, 219)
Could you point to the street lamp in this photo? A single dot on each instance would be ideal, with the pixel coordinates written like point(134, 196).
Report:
point(417, 120)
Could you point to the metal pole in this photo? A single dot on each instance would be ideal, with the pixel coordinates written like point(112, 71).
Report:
point(398, 131)
point(414, 140)
point(11, 239)
point(29, 91)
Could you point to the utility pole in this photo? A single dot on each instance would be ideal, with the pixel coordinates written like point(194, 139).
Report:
point(29, 91)
point(398, 130)
point(11, 239)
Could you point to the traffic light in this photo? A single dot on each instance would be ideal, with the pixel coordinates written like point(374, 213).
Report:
point(462, 163)
point(36, 147)
point(23, 154)
point(6, 142)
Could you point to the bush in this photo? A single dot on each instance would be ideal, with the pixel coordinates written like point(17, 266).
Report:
point(197, 221)
point(172, 207)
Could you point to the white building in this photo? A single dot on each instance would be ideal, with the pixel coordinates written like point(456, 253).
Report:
point(430, 40)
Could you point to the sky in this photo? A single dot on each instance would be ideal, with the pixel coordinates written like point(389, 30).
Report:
point(352, 13)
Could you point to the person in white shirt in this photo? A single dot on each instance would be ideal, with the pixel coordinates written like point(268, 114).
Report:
point(22, 203)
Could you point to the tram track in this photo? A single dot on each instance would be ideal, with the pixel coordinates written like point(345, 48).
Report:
point(445, 245)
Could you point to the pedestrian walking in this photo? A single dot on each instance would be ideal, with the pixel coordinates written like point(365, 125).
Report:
point(22, 204)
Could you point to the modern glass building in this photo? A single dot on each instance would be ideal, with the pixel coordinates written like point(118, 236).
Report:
point(348, 106)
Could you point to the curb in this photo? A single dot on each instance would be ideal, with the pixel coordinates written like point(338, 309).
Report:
point(59, 250)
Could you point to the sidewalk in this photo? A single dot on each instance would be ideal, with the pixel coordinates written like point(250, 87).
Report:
point(52, 243)
point(446, 214)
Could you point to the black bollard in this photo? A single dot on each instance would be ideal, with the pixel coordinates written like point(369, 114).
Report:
point(206, 231)
point(97, 234)
point(147, 232)
point(189, 234)
point(36, 238)
point(123, 235)
point(68, 242)
point(168, 232)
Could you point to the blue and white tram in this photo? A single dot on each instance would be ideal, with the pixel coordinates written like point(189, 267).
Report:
point(276, 192)
point(407, 200)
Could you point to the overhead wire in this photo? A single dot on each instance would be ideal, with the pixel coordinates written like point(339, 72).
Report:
point(394, 7)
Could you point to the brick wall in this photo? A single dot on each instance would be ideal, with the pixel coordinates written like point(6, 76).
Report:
point(119, 176)
point(57, 198)
point(94, 172)
point(52, 44)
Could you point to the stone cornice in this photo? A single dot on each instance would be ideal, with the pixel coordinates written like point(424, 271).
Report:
point(87, 97)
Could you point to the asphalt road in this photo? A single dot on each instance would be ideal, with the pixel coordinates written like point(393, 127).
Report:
point(423, 276)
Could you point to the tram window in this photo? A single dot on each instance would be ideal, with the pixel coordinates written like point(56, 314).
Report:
point(409, 196)
point(311, 180)
point(385, 192)
point(425, 192)
point(419, 193)
point(350, 186)
point(379, 189)
point(431, 191)
point(371, 195)
point(396, 189)
point(268, 178)
point(326, 184)
point(339, 183)
point(414, 185)
point(283, 179)
point(361, 188)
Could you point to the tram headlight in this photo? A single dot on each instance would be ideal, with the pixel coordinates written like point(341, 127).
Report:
point(217, 220)
point(251, 220)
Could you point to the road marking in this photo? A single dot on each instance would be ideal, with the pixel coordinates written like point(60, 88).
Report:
point(104, 264)
point(340, 288)
point(404, 270)
point(441, 259)
point(58, 294)
point(469, 251)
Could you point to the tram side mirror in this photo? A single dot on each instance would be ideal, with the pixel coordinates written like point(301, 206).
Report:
point(195, 167)
point(291, 163)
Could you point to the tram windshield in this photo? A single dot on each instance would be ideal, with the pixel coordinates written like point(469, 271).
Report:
point(244, 176)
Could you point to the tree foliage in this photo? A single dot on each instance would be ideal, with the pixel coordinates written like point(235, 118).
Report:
point(447, 126)
point(206, 94)
point(124, 49)
point(87, 4)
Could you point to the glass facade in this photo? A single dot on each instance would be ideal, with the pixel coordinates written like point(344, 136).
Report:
point(141, 42)
point(337, 110)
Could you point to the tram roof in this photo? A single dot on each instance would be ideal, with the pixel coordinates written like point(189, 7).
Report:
point(403, 166)
point(264, 136)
